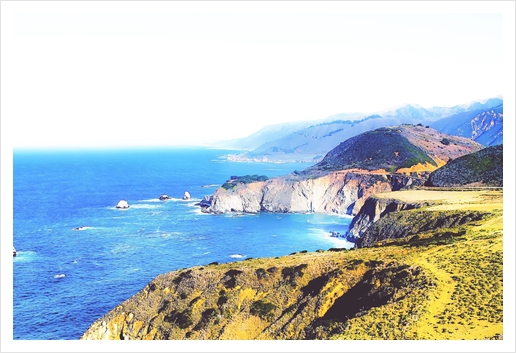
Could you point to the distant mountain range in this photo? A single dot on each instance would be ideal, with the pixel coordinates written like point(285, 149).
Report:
point(309, 141)
point(484, 125)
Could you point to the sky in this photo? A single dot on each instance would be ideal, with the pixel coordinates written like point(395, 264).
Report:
point(101, 74)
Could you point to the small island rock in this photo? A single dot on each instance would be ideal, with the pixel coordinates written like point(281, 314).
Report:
point(14, 251)
point(186, 196)
point(164, 197)
point(122, 204)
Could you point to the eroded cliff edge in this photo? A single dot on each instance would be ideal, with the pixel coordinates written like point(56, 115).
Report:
point(422, 286)
point(342, 192)
point(382, 160)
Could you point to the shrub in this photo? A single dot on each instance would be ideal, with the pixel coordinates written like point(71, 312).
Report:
point(246, 179)
point(262, 309)
point(181, 319)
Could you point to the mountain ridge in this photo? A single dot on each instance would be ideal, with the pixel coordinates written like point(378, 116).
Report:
point(312, 142)
point(381, 160)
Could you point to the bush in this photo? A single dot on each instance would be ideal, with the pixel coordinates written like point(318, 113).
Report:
point(246, 179)
point(262, 309)
point(445, 141)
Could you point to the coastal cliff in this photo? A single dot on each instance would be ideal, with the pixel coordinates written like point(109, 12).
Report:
point(481, 169)
point(423, 286)
point(342, 192)
point(373, 209)
point(441, 277)
point(382, 160)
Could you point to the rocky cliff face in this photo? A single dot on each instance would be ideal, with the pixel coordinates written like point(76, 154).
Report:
point(342, 192)
point(385, 159)
point(398, 225)
point(374, 209)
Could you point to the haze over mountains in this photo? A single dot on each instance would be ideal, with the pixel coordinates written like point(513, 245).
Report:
point(309, 141)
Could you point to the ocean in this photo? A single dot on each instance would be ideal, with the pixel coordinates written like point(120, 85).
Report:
point(79, 256)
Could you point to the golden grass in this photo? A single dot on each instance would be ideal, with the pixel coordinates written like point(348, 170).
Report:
point(434, 288)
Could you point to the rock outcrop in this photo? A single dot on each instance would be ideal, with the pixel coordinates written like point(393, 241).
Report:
point(122, 204)
point(342, 192)
point(403, 214)
point(164, 197)
point(385, 159)
point(399, 225)
point(186, 196)
point(372, 210)
point(205, 203)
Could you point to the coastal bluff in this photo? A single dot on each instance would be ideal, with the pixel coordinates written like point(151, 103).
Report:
point(418, 288)
point(423, 259)
point(383, 160)
point(341, 192)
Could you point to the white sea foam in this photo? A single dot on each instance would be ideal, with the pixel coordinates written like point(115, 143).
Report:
point(193, 203)
point(337, 242)
point(142, 205)
point(81, 228)
point(237, 256)
point(23, 256)
point(151, 200)
point(161, 234)
point(61, 275)
point(118, 209)
point(197, 211)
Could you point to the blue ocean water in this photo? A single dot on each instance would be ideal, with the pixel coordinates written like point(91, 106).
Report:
point(64, 279)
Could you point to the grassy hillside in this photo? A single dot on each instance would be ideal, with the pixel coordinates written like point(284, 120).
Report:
point(402, 148)
point(484, 167)
point(441, 283)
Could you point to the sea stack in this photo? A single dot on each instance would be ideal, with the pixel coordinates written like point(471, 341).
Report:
point(186, 196)
point(122, 204)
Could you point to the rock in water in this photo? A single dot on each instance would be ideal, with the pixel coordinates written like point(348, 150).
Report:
point(164, 197)
point(206, 201)
point(122, 204)
point(14, 251)
point(186, 196)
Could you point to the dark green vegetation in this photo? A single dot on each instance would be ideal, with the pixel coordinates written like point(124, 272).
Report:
point(383, 148)
point(246, 179)
point(403, 149)
point(409, 223)
point(484, 167)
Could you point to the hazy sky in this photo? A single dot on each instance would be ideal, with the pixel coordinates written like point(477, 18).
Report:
point(135, 73)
